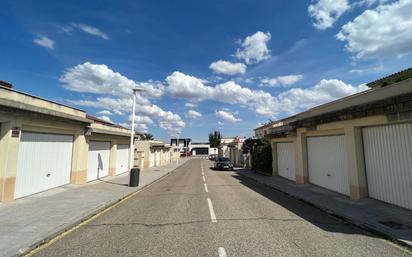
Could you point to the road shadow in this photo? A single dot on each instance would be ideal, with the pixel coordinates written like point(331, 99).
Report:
point(304, 210)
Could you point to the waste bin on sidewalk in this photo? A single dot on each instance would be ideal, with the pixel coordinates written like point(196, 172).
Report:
point(134, 177)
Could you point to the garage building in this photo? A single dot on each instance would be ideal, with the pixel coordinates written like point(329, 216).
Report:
point(45, 144)
point(359, 146)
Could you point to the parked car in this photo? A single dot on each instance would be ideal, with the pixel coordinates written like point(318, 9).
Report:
point(213, 157)
point(223, 163)
point(187, 153)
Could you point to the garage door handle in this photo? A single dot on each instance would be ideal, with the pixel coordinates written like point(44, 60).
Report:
point(328, 175)
point(48, 175)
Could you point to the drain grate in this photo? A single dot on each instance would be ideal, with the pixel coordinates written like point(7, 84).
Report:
point(392, 224)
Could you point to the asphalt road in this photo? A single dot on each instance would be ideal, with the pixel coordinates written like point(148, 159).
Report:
point(174, 217)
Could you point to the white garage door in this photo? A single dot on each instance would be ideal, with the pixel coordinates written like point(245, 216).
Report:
point(327, 163)
point(98, 160)
point(286, 160)
point(122, 160)
point(151, 158)
point(388, 161)
point(44, 162)
point(157, 158)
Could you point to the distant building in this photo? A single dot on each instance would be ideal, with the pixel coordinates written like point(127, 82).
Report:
point(183, 143)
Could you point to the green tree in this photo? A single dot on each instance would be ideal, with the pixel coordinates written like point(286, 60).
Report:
point(147, 136)
point(214, 139)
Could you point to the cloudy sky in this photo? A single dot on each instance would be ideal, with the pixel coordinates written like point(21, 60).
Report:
point(204, 65)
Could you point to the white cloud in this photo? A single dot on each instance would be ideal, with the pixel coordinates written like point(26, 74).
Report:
point(141, 119)
point(382, 32)
point(141, 127)
point(297, 99)
point(227, 116)
point(105, 112)
point(228, 68)
point(100, 79)
point(369, 3)
point(220, 123)
point(191, 114)
point(44, 42)
point(184, 86)
point(326, 12)
point(281, 80)
point(192, 88)
point(263, 103)
point(117, 94)
point(90, 30)
point(254, 48)
point(190, 105)
point(105, 118)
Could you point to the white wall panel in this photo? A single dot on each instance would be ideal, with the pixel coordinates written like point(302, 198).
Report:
point(44, 162)
point(98, 160)
point(388, 161)
point(286, 160)
point(157, 158)
point(327, 163)
point(151, 158)
point(122, 159)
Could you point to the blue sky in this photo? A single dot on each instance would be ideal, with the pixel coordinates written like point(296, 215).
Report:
point(205, 65)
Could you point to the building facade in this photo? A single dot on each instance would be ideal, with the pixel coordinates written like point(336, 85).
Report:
point(44, 145)
point(156, 153)
point(359, 146)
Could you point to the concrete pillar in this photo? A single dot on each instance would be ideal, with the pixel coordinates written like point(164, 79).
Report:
point(274, 158)
point(356, 163)
point(302, 175)
point(113, 158)
point(79, 159)
point(9, 148)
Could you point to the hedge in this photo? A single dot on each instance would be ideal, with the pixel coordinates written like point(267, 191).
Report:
point(262, 156)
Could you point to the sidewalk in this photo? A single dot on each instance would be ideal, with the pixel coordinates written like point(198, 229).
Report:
point(367, 213)
point(27, 222)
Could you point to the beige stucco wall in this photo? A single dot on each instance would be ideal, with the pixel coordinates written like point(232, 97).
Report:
point(23, 101)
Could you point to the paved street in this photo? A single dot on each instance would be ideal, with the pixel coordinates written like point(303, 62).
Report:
point(216, 214)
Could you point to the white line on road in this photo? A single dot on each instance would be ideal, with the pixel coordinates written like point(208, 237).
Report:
point(203, 177)
point(207, 191)
point(212, 212)
point(222, 252)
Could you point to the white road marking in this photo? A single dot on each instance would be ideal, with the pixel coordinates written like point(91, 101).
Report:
point(207, 191)
point(222, 252)
point(212, 212)
point(203, 177)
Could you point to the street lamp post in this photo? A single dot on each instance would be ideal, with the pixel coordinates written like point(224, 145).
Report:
point(187, 149)
point(131, 159)
point(178, 148)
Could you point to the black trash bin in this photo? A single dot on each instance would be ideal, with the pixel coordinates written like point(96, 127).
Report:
point(134, 177)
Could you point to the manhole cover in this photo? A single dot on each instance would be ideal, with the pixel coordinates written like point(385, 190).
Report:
point(392, 224)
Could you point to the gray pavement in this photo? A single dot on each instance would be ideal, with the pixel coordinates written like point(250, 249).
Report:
point(367, 213)
point(27, 222)
point(175, 217)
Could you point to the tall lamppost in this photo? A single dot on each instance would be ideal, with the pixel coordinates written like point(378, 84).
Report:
point(131, 159)
point(178, 148)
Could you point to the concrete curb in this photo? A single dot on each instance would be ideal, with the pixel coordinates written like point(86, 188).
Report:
point(88, 216)
point(364, 226)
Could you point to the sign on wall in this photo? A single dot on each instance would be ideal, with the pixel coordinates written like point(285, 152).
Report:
point(15, 132)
